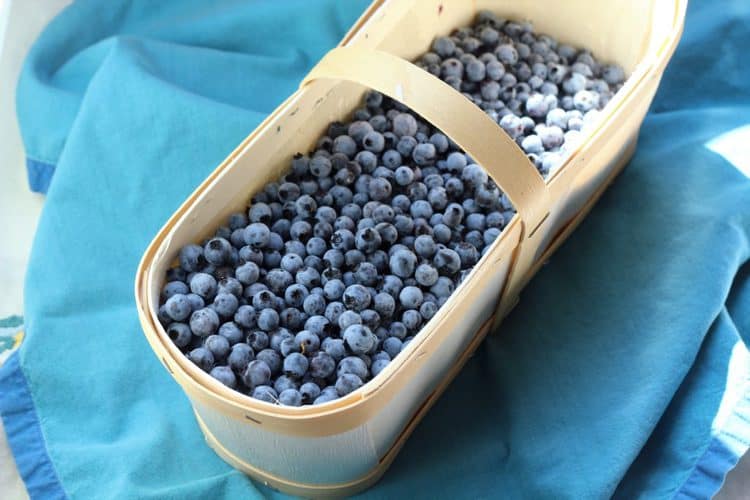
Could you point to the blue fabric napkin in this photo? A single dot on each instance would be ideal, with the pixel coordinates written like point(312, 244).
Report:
point(621, 373)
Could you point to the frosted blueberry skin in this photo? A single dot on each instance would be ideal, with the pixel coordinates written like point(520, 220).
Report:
point(335, 267)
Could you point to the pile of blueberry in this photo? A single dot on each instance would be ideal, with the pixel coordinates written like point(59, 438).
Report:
point(541, 92)
point(335, 268)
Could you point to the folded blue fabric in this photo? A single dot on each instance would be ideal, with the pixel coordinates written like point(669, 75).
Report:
point(621, 373)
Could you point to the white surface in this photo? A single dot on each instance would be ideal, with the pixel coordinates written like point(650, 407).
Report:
point(20, 23)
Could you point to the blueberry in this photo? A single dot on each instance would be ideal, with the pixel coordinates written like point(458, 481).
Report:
point(239, 357)
point(288, 191)
point(203, 284)
point(402, 263)
point(453, 215)
point(326, 397)
point(258, 340)
point(282, 383)
point(322, 365)
point(475, 238)
point(404, 175)
point(270, 358)
point(290, 397)
point(613, 74)
point(292, 262)
point(295, 295)
point(224, 375)
point(292, 318)
point(486, 196)
point(426, 275)
point(359, 339)
point(475, 222)
point(348, 383)
point(411, 297)
point(265, 393)
point(392, 285)
point(308, 277)
point(180, 334)
point(437, 198)
point(230, 285)
point(356, 297)
point(490, 235)
point(256, 373)
point(257, 235)
point(379, 189)
point(314, 305)
point(392, 345)
point(191, 258)
point(204, 322)
point(217, 345)
point(319, 325)
point(348, 318)
point(473, 176)
point(397, 329)
point(288, 346)
point(367, 240)
point(428, 310)
point(307, 341)
point(176, 274)
point(231, 332)
point(320, 166)
point(334, 347)
point(552, 137)
point(424, 154)
point(334, 289)
point(404, 124)
point(225, 304)
point(495, 219)
point(506, 54)
point(263, 300)
point(268, 319)
point(384, 304)
point(475, 70)
point(366, 273)
point(202, 357)
point(178, 307)
point(370, 318)
point(344, 144)
point(443, 287)
point(411, 319)
point(352, 365)
point(295, 365)
point(378, 366)
point(301, 230)
point(309, 391)
point(250, 254)
point(278, 280)
point(447, 261)
point(359, 129)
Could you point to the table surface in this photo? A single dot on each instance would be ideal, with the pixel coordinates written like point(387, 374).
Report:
point(20, 23)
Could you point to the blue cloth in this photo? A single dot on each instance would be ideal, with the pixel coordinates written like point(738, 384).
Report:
point(611, 378)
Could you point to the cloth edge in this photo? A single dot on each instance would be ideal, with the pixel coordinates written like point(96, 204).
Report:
point(24, 433)
point(724, 452)
point(39, 175)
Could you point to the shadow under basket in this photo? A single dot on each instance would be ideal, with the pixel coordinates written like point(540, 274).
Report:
point(341, 447)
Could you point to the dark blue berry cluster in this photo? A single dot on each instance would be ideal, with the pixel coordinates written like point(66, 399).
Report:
point(335, 268)
point(541, 92)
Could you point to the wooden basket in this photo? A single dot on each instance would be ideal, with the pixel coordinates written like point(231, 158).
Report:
point(341, 447)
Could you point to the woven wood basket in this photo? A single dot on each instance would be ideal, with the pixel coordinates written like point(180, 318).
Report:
point(344, 446)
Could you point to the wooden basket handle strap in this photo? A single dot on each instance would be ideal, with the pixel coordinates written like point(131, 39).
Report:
point(449, 111)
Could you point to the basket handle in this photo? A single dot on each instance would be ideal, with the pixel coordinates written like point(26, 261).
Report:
point(452, 113)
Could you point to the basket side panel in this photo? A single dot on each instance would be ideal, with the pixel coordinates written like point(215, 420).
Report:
point(464, 321)
point(338, 458)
